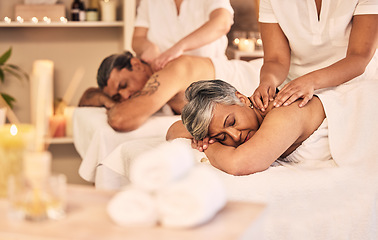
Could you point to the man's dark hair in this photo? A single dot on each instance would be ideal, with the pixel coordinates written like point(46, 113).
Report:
point(117, 61)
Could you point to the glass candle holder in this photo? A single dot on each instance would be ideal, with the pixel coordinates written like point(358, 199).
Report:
point(44, 199)
point(14, 140)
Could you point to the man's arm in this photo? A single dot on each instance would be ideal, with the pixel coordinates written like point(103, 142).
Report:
point(94, 97)
point(159, 89)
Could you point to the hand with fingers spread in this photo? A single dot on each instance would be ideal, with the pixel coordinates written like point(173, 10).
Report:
point(264, 94)
point(202, 145)
point(302, 87)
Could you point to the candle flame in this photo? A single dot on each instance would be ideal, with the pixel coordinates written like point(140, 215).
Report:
point(13, 130)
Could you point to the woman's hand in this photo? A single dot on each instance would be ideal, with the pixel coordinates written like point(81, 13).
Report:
point(302, 87)
point(263, 95)
point(150, 54)
point(202, 145)
point(167, 56)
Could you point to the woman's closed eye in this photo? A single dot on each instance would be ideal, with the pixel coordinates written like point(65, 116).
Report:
point(116, 97)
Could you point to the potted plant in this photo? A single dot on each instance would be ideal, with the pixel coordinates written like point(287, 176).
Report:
point(11, 69)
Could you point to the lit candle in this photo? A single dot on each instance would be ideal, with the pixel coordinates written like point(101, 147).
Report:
point(47, 19)
point(34, 20)
point(63, 20)
point(7, 20)
point(236, 42)
point(246, 45)
point(108, 10)
point(68, 114)
point(41, 86)
point(57, 126)
point(259, 44)
point(3, 113)
point(14, 140)
point(20, 19)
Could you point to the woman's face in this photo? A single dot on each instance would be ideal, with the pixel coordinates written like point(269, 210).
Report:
point(233, 125)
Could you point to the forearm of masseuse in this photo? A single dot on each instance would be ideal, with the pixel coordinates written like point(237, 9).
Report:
point(276, 55)
point(362, 45)
point(218, 25)
point(140, 42)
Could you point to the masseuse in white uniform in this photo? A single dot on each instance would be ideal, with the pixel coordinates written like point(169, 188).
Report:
point(314, 44)
point(166, 29)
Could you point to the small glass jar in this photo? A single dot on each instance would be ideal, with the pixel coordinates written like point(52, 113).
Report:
point(92, 14)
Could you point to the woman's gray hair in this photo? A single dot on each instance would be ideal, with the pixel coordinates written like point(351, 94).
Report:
point(202, 97)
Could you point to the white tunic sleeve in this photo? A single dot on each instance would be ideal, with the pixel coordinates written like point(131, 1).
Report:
point(142, 18)
point(266, 14)
point(366, 7)
point(216, 4)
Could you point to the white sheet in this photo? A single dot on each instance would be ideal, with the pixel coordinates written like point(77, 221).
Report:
point(94, 139)
point(305, 203)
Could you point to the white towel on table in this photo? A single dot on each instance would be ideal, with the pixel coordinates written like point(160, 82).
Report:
point(133, 207)
point(158, 167)
point(193, 200)
point(95, 140)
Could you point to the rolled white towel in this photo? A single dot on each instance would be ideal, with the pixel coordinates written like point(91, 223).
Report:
point(133, 207)
point(159, 166)
point(193, 200)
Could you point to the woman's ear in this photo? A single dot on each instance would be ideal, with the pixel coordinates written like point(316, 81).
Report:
point(242, 98)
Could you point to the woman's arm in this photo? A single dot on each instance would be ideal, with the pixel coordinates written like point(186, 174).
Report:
point(276, 64)
point(218, 25)
point(362, 45)
point(143, 48)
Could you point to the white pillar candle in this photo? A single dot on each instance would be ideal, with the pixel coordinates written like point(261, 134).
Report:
point(68, 114)
point(3, 111)
point(108, 10)
point(41, 87)
point(246, 45)
point(37, 165)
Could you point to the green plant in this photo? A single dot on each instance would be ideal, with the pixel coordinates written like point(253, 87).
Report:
point(14, 70)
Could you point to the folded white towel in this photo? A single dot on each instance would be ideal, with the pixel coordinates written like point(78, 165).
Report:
point(133, 207)
point(162, 165)
point(193, 200)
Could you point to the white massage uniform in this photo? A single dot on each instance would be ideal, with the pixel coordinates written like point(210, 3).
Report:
point(316, 44)
point(243, 75)
point(165, 27)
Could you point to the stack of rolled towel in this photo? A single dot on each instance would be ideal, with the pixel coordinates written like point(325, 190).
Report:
point(168, 188)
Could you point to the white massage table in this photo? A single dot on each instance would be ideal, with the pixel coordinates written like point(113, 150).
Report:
point(303, 202)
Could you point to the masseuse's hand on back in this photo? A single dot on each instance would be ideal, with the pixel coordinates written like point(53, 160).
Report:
point(265, 93)
point(302, 87)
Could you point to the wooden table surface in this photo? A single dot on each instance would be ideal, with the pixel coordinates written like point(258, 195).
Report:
point(87, 220)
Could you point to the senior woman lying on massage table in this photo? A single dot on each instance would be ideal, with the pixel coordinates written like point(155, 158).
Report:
point(240, 139)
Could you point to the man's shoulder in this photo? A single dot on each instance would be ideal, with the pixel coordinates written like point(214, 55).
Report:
point(189, 63)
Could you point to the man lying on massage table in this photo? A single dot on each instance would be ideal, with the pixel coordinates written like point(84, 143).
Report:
point(132, 92)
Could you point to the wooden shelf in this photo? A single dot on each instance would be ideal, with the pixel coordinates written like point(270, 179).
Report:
point(237, 54)
point(62, 140)
point(68, 24)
